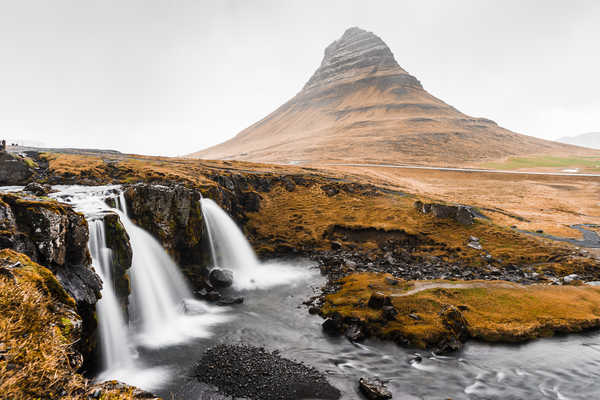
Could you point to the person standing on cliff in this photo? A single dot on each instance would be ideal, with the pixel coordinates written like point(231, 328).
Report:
point(3, 145)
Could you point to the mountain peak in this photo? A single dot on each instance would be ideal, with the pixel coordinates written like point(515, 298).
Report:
point(355, 51)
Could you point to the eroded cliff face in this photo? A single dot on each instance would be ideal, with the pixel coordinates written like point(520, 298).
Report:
point(54, 235)
point(172, 214)
point(117, 240)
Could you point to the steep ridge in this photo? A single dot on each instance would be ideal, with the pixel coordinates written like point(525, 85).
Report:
point(361, 106)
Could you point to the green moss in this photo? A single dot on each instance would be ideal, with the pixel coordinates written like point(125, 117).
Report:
point(41, 276)
point(30, 163)
point(67, 326)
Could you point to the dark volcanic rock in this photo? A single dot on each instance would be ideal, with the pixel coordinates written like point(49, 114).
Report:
point(117, 240)
point(377, 300)
point(462, 214)
point(254, 373)
point(374, 389)
point(37, 189)
point(14, 170)
point(55, 236)
point(220, 278)
point(173, 215)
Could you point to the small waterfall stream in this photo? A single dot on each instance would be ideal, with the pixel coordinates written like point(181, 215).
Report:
point(116, 353)
point(231, 250)
point(162, 309)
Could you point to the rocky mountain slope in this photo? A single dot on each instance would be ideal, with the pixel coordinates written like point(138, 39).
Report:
point(591, 140)
point(361, 106)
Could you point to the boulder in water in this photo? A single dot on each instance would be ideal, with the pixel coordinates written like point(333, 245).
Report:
point(220, 278)
point(374, 389)
point(37, 189)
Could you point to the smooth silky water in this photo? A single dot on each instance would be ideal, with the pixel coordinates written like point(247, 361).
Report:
point(272, 316)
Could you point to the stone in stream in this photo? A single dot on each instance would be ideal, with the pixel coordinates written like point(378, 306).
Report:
point(37, 189)
point(374, 389)
point(333, 325)
point(354, 333)
point(220, 278)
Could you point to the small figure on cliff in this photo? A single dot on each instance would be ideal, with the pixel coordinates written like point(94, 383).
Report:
point(3, 146)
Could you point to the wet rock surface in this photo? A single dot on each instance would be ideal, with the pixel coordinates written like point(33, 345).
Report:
point(54, 235)
point(251, 372)
point(173, 215)
point(220, 278)
point(117, 240)
point(374, 389)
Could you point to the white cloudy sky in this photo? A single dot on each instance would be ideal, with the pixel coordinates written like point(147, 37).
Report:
point(171, 77)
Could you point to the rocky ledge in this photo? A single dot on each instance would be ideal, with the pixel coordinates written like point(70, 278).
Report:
point(53, 235)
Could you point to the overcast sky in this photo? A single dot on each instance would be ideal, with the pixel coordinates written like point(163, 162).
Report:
point(173, 77)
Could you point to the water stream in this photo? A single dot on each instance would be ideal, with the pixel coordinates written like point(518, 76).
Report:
point(116, 352)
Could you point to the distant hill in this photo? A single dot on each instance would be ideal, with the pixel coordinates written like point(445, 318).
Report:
point(361, 106)
point(591, 140)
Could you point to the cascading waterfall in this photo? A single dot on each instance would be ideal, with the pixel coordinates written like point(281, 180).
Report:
point(161, 306)
point(116, 352)
point(231, 250)
point(159, 291)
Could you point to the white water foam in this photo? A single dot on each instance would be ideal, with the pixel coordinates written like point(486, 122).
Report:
point(231, 250)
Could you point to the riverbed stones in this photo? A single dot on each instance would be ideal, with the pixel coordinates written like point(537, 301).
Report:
point(220, 278)
point(374, 389)
point(243, 371)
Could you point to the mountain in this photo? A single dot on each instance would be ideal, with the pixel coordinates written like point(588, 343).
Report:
point(591, 140)
point(361, 106)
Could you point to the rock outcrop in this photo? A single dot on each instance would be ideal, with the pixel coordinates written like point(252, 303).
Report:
point(15, 170)
point(462, 214)
point(172, 214)
point(361, 106)
point(117, 240)
point(54, 235)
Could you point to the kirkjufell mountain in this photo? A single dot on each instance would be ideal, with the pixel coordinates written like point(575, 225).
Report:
point(360, 105)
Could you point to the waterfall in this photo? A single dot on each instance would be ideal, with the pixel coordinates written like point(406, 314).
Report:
point(231, 250)
point(116, 353)
point(162, 305)
point(229, 246)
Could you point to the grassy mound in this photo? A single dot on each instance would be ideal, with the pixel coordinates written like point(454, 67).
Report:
point(492, 311)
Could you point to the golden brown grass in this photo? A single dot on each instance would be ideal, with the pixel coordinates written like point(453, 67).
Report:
point(495, 311)
point(36, 329)
point(299, 219)
point(38, 333)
